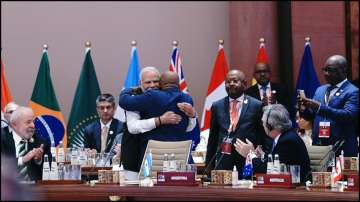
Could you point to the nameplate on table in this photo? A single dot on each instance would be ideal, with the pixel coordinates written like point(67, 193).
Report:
point(176, 178)
point(273, 180)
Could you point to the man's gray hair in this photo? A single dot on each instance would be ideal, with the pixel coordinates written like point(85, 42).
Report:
point(277, 117)
point(18, 113)
point(148, 69)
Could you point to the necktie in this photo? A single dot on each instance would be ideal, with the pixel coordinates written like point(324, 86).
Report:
point(23, 168)
point(328, 90)
point(273, 146)
point(234, 114)
point(104, 135)
point(263, 88)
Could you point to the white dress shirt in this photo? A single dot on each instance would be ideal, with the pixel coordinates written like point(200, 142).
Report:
point(268, 90)
point(137, 125)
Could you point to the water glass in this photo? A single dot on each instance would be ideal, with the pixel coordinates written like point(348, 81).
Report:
point(295, 174)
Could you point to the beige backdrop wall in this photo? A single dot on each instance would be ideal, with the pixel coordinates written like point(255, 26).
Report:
point(110, 26)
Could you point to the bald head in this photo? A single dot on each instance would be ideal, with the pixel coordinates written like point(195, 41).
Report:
point(335, 69)
point(337, 60)
point(169, 79)
point(235, 83)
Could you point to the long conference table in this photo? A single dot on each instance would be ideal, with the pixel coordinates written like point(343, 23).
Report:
point(105, 192)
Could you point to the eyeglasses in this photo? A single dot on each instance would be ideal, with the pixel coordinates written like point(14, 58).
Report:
point(329, 69)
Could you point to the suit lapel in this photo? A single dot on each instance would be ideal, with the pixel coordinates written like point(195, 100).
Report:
point(244, 108)
point(226, 113)
point(11, 143)
point(111, 134)
point(98, 135)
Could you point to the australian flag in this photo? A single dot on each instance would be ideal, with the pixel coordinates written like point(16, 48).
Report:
point(176, 66)
point(248, 168)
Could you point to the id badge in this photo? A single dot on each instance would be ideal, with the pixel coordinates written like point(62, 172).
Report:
point(226, 146)
point(324, 129)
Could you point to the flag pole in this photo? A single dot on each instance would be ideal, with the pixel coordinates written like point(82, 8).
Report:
point(307, 40)
point(175, 43)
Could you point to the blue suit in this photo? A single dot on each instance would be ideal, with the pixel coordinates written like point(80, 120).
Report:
point(153, 103)
point(342, 113)
point(249, 126)
point(292, 151)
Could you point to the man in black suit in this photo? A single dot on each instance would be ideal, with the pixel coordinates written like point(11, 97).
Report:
point(100, 135)
point(266, 91)
point(23, 145)
point(235, 116)
point(287, 144)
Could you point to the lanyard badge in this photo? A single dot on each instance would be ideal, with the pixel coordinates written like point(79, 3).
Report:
point(324, 129)
point(226, 146)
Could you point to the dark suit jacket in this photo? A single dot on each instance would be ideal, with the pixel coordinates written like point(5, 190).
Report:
point(342, 113)
point(8, 149)
point(249, 126)
point(154, 103)
point(92, 135)
point(130, 149)
point(292, 151)
point(281, 95)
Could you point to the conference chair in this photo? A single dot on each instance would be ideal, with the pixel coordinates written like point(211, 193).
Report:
point(320, 156)
point(181, 149)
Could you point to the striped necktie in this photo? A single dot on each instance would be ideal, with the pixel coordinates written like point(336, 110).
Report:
point(22, 152)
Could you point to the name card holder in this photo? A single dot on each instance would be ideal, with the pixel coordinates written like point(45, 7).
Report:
point(273, 180)
point(176, 179)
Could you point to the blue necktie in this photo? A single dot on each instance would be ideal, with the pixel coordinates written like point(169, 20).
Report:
point(273, 146)
point(263, 88)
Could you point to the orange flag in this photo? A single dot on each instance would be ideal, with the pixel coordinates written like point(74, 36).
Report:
point(5, 92)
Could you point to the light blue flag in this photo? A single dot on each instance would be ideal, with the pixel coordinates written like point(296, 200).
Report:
point(133, 75)
point(132, 80)
point(148, 164)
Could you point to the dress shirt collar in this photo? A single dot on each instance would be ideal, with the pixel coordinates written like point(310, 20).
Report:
point(239, 99)
point(276, 140)
point(16, 137)
point(107, 125)
point(267, 86)
point(341, 83)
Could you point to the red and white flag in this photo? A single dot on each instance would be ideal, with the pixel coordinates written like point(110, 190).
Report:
point(261, 57)
point(216, 91)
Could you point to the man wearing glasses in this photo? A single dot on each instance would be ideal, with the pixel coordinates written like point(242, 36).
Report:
point(265, 91)
point(334, 108)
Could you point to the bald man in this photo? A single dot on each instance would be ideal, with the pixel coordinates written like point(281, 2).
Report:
point(334, 108)
point(235, 116)
point(154, 103)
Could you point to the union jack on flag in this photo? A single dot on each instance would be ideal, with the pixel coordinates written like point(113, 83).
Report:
point(176, 66)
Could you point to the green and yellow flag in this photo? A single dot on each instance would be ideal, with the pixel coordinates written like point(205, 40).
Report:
point(83, 110)
point(49, 121)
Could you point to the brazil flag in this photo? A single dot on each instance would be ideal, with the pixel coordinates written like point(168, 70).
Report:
point(49, 121)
